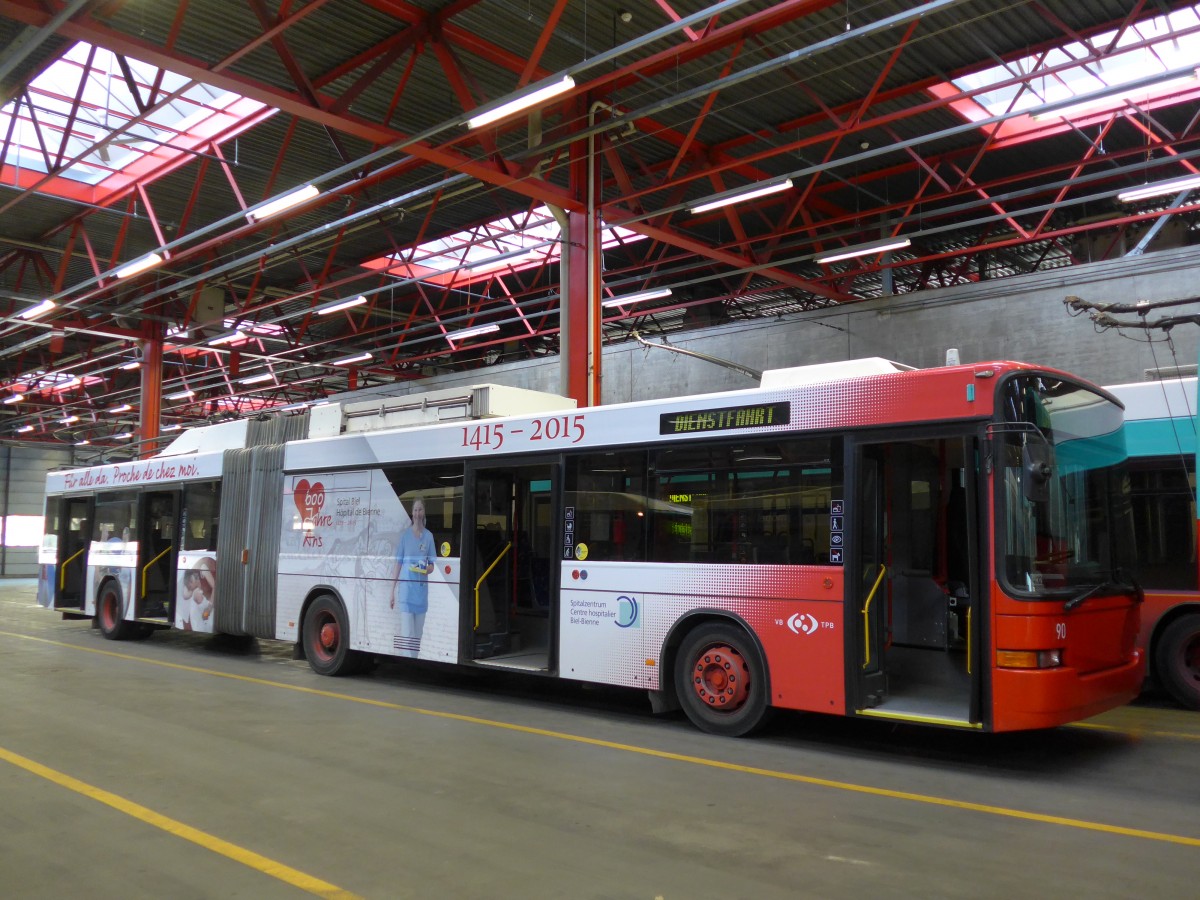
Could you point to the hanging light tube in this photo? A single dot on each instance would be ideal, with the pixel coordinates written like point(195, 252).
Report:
point(339, 305)
point(229, 337)
point(123, 408)
point(471, 332)
point(133, 364)
point(69, 420)
point(257, 379)
point(181, 395)
point(1159, 188)
point(15, 398)
point(122, 436)
point(280, 204)
point(524, 101)
point(638, 297)
point(752, 194)
point(864, 250)
point(350, 360)
point(40, 310)
point(149, 261)
point(25, 429)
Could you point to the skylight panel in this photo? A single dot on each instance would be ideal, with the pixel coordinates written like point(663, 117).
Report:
point(1160, 46)
point(128, 119)
point(507, 243)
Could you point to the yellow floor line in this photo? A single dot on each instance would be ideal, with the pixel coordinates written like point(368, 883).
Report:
point(246, 857)
point(926, 799)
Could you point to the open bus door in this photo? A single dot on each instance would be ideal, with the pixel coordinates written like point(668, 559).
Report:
point(510, 557)
point(74, 532)
point(158, 548)
point(914, 581)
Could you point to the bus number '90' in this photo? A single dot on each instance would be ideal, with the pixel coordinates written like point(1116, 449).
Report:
point(552, 428)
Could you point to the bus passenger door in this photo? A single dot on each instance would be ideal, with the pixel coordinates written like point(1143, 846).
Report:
point(74, 536)
point(158, 547)
point(509, 557)
point(914, 580)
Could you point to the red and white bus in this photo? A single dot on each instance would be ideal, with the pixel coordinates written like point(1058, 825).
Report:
point(940, 546)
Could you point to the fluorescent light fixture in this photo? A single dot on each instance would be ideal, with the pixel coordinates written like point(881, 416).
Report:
point(25, 429)
point(171, 427)
point(235, 335)
point(66, 385)
point(524, 101)
point(15, 398)
point(865, 250)
point(181, 395)
point(638, 297)
point(83, 443)
point(132, 365)
point(122, 436)
point(69, 420)
point(279, 204)
point(739, 196)
point(257, 379)
point(149, 261)
point(472, 332)
point(1159, 188)
point(361, 357)
point(40, 310)
point(123, 408)
point(340, 305)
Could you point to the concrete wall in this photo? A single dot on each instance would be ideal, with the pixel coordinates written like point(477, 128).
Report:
point(23, 469)
point(1022, 318)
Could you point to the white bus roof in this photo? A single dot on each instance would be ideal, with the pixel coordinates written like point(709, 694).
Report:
point(832, 371)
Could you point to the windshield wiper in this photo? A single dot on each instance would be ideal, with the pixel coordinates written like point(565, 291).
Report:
point(1122, 578)
point(1089, 592)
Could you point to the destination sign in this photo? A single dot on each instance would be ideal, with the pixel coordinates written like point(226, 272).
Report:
point(726, 418)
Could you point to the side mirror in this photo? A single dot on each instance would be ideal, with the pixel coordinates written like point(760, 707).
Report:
point(1035, 481)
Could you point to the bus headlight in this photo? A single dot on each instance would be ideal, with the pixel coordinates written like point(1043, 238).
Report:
point(1029, 659)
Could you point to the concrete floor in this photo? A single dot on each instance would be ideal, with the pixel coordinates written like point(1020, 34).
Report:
point(174, 767)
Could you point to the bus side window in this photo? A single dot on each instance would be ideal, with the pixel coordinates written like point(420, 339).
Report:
point(612, 511)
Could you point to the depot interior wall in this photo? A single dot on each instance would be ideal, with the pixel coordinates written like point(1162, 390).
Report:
point(1022, 317)
point(23, 469)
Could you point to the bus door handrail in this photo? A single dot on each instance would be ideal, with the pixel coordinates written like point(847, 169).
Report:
point(866, 610)
point(146, 567)
point(479, 583)
point(62, 571)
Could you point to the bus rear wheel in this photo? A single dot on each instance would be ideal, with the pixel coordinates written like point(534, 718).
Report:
point(326, 637)
point(1178, 660)
point(110, 612)
point(721, 680)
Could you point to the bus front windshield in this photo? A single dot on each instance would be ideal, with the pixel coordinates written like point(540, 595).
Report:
point(1064, 503)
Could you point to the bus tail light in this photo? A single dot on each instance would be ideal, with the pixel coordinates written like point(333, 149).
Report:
point(1028, 659)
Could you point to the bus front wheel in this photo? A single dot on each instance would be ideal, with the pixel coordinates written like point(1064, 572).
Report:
point(721, 680)
point(1178, 660)
point(110, 615)
point(327, 638)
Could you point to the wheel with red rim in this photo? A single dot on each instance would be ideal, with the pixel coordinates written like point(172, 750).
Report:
point(1178, 660)
point(721, 681)
point(326, 637)
point(110, 614)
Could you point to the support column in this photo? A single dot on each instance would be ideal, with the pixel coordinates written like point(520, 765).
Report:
point(150, 420)
point(580, 335)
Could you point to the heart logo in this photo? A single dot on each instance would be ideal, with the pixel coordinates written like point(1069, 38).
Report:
point(309, 498)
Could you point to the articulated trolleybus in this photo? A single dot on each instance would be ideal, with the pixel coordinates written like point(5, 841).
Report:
point(940, 546)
